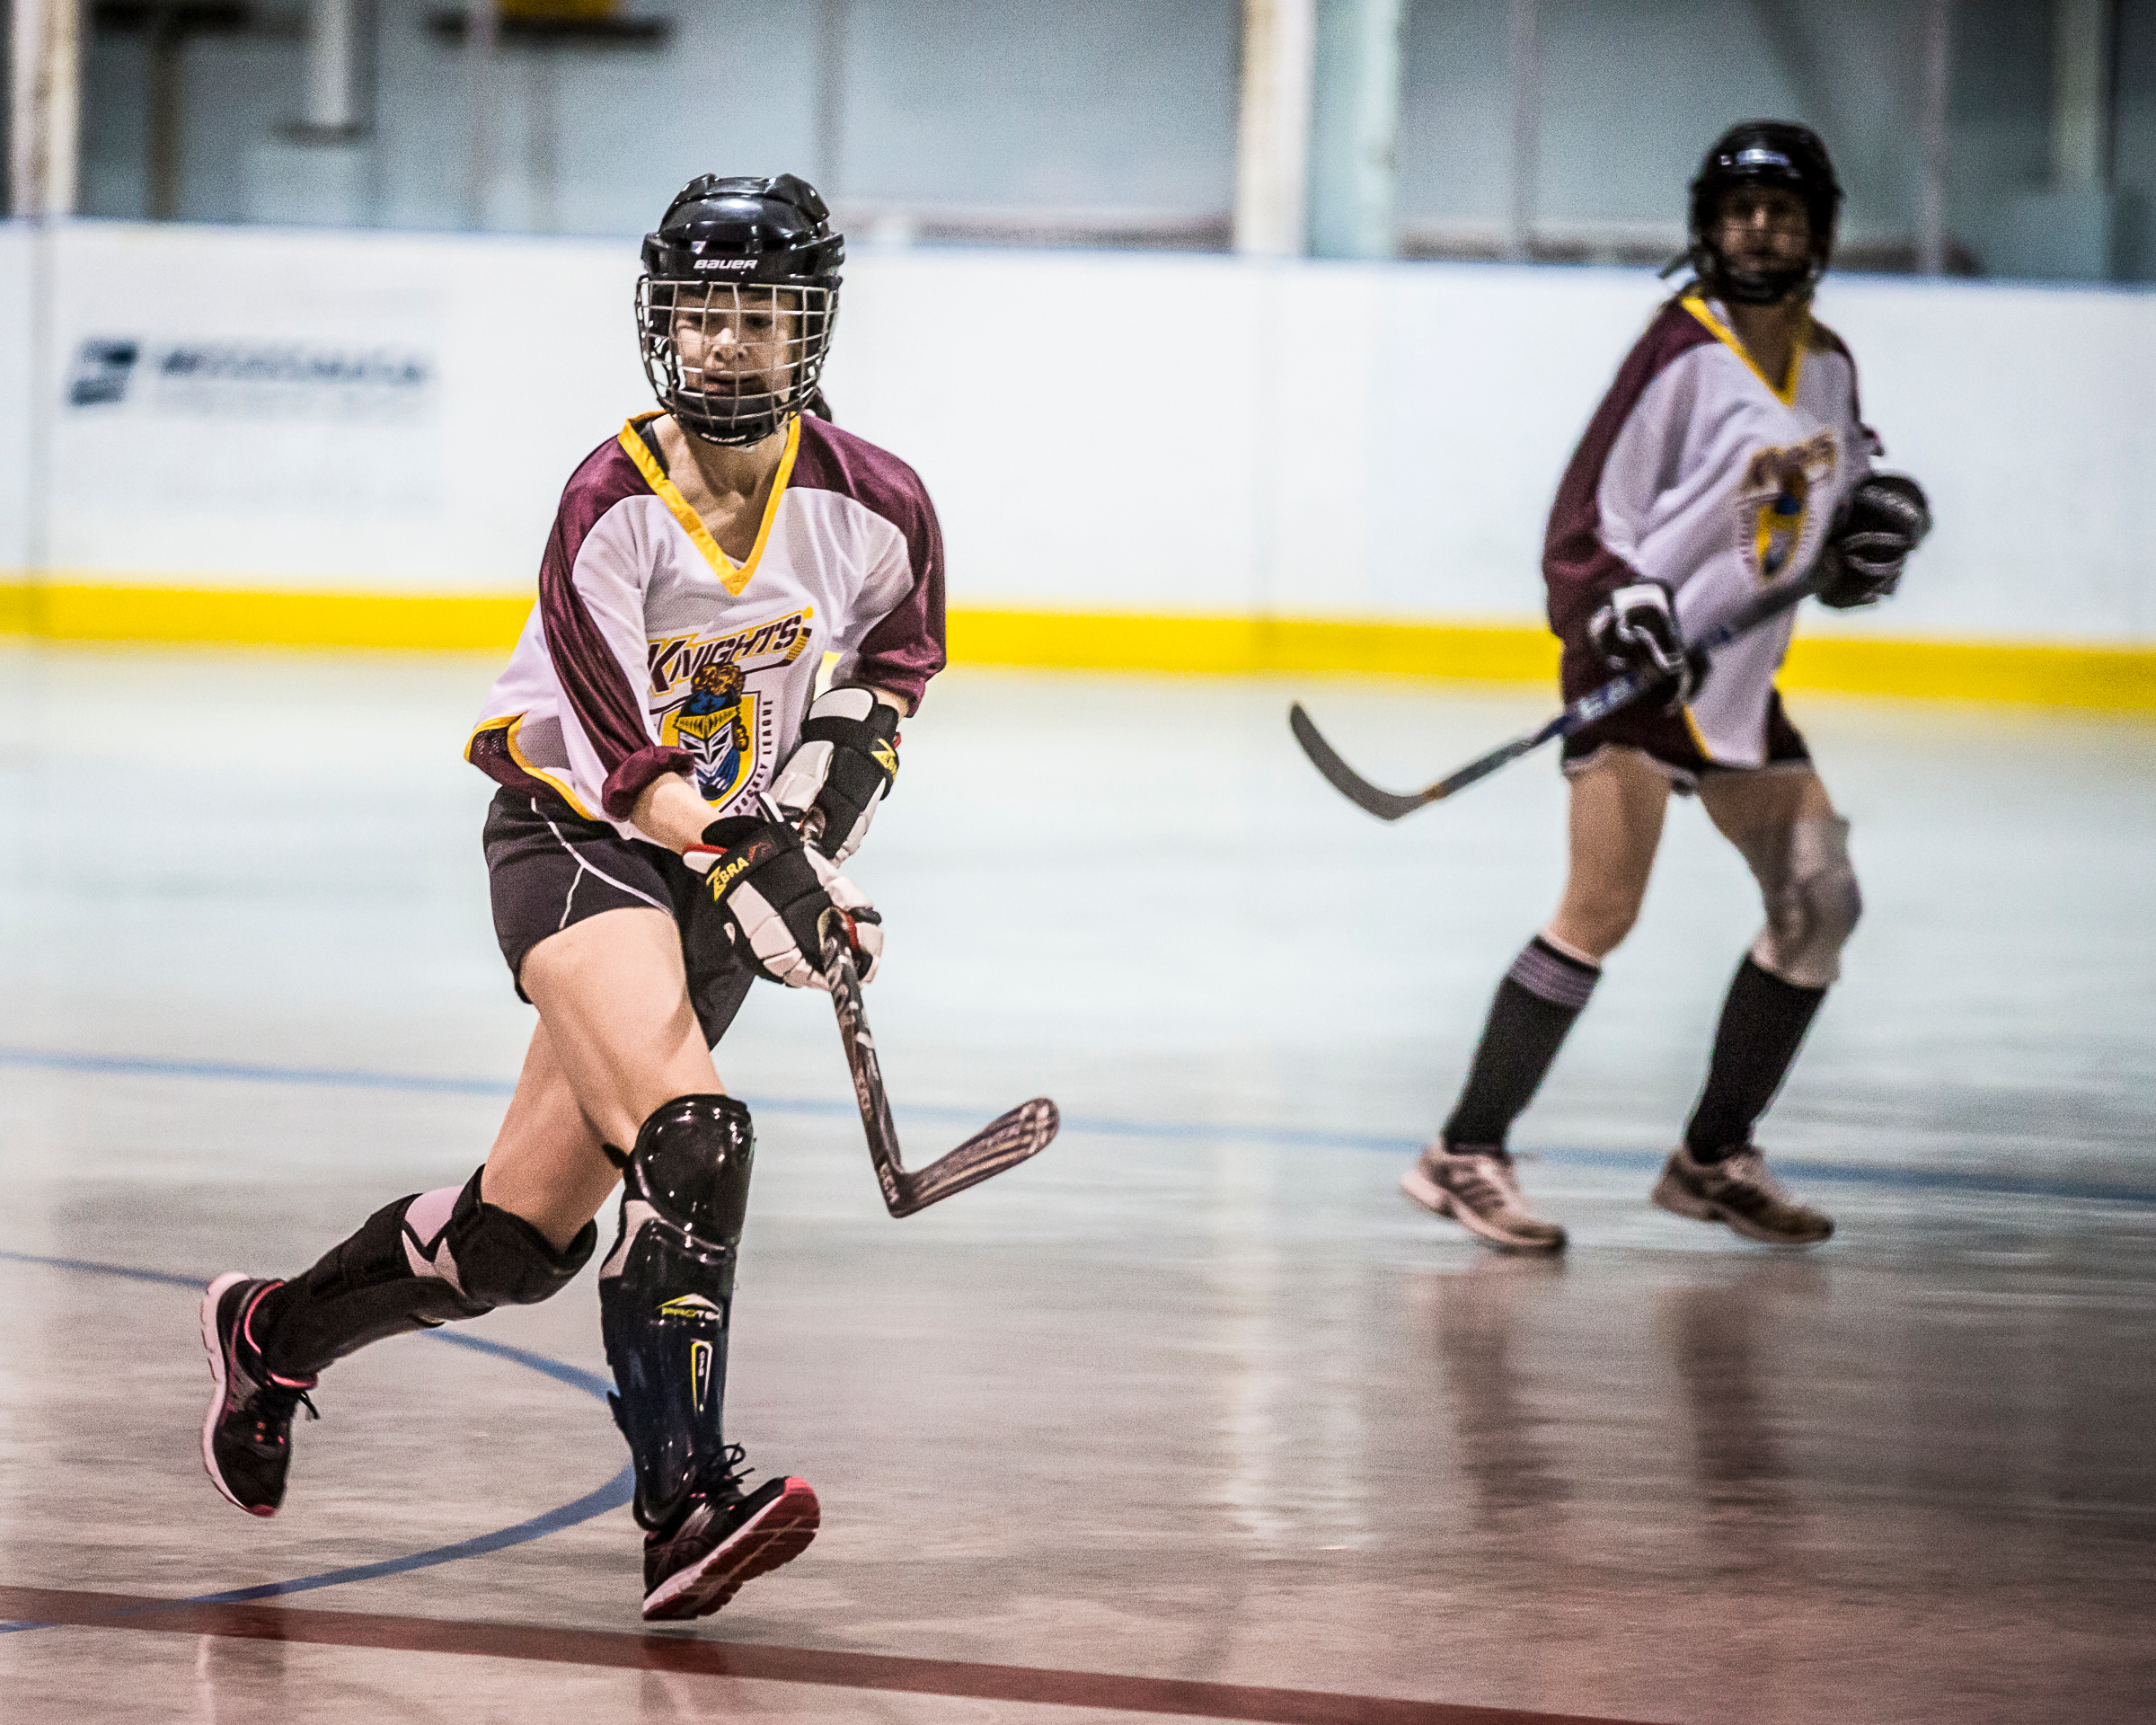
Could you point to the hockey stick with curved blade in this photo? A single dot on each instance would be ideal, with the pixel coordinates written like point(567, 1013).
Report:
point(1596, 703)
point(1003, 1143)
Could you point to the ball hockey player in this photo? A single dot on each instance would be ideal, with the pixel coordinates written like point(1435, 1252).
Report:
point(673, 803)
point(1728, 455)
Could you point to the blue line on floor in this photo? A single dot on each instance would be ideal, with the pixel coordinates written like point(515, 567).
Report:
point(612, 1495)
point(1940, 1179)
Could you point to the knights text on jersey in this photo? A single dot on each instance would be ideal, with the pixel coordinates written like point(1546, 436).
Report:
point(650, 652)
point(1699, 473)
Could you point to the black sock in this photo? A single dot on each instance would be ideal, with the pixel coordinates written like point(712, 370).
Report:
point(1536, 1002)
point(1763, 1023)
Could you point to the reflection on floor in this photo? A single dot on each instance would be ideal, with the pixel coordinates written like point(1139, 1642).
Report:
point(1196, 1397)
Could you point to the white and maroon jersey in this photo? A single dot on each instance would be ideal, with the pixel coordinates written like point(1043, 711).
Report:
point(650, 652)
point(1699, 473)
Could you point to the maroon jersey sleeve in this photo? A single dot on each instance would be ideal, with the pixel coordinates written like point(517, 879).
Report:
point(596, 689)
point(905, 647)
point(1580, 569)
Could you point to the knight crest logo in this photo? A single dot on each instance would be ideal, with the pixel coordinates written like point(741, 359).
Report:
point(705, 688)
point(1774, 505)
point(716, 725)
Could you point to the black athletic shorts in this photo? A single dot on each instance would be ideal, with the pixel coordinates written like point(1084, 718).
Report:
point(1662, 736)
point(548, 867)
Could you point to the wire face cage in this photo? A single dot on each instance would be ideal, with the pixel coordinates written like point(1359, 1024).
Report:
point(733, 361)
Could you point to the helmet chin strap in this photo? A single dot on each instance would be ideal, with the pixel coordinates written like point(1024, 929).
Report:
point(1764, 288)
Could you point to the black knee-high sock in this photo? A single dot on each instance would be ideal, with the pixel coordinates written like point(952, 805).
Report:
point(423, 1261)
point(1541, 996)
point(1763, 1023)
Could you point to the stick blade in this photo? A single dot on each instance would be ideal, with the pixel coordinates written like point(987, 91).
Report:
point(1386, 805)
point(1003, 1143)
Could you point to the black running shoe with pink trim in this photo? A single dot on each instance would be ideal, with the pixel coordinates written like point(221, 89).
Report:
point(247, 1438)
point(721, 1539)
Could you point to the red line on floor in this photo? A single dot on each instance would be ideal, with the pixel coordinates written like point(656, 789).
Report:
point(686, 1654)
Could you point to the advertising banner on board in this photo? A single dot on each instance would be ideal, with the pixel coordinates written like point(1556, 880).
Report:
point(342, 411)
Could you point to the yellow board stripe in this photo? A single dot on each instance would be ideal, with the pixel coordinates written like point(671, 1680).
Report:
point(2121, 679)
point(276, 617)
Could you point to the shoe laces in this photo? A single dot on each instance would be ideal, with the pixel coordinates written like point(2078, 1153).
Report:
point(734, 1469)
point(1485, 1181)
point(274, 1404)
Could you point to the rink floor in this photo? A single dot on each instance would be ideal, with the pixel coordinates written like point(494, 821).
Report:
point(1194, 1416)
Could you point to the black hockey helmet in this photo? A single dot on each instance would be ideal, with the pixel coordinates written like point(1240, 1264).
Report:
point(737, 302)
point(1763, 153)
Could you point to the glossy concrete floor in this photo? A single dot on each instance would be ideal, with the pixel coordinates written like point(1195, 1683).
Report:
point(1194, 1416)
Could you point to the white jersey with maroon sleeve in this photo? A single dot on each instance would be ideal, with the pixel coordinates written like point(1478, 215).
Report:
point(650, 652)
point(1699, 473)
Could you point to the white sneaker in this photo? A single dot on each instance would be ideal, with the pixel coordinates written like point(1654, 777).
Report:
point(1740, 1191)
point(1479, 1190)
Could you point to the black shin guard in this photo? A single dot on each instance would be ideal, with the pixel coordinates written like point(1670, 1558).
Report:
point(1762, 1025)
point(413, 1264)
point(665, 1294)
point(1541, 996)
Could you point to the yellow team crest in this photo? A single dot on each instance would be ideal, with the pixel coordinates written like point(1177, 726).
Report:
point(1775, 517)
point(716, 725)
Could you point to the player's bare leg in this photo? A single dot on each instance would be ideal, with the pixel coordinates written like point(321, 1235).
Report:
point(1784, 825)
point(1618, 802)
point(616, 1036)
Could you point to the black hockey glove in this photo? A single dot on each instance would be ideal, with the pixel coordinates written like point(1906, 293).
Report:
point(1883, 520)
point(769, 895)
point(1637, 630)
point(846, 761)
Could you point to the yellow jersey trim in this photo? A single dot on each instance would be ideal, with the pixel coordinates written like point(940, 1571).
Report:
point(1699, 739)
point(733, 577)
point(1787, 393)
point(511, 726)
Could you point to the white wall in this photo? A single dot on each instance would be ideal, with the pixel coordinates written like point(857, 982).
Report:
point(1100, 431)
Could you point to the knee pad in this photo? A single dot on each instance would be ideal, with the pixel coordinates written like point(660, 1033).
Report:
point(689, 1172)
point(1811, 898)
point(489, 1255)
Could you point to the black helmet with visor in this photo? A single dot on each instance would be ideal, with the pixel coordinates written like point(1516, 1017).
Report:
point(1761, 153)
point(735, 305)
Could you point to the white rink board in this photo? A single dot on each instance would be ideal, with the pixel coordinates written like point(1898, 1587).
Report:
point(1101, 431)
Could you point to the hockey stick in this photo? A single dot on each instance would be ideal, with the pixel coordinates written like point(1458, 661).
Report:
point(1596, 703)
point(1003, 1143)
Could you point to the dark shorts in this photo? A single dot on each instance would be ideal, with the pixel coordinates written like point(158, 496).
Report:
point(548, 867)
point(1664, 737)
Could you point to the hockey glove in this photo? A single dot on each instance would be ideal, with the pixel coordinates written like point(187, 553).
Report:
point(770, 893)
point(1883, 520)
point(1637, 630)
point(846, 761)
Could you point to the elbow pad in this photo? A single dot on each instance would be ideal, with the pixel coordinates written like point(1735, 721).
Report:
point(846, 761)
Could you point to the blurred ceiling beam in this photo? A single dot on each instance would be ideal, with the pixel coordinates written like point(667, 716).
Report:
point(832, 23)
point(2084, 37)
point(1936, 65)
point(1522, 64)
point(481, 25)
point(1354, 127)
point(1272, 149)
point(44, 134)
point(331, 106)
